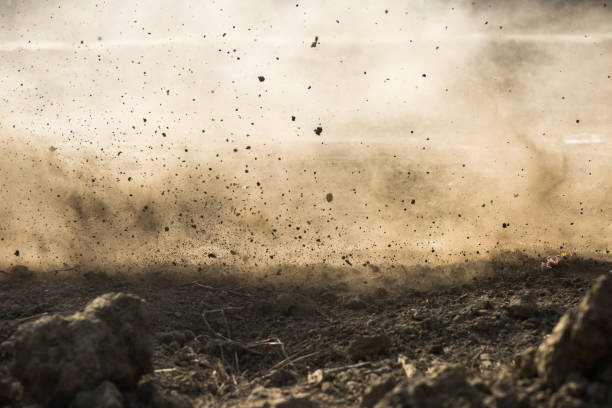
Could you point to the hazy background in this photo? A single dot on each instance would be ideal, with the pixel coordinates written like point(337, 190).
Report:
point(136, 133)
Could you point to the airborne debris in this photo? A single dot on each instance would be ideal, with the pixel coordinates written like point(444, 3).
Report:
point(555, 261)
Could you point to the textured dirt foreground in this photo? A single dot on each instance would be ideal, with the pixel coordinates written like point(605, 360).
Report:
point(230, 342)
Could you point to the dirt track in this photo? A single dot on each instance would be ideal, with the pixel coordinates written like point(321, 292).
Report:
point(273, 335)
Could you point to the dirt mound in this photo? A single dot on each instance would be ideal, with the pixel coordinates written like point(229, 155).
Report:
point(571, 367)
point(582, 340)
point(445, 387)
point(54, 357)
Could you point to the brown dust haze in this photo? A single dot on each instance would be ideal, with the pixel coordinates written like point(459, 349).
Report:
point(359, 135)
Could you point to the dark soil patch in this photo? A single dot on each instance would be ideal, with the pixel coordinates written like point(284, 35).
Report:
point(224, 342)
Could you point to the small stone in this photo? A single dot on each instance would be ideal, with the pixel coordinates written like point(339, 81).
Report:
point(409, 369)
point(316, 377)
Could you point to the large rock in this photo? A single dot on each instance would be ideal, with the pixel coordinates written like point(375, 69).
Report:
point(446, 387)
point(56, 356)
point(581, 340)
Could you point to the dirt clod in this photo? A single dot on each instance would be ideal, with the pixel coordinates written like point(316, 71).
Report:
point(365, 346)
point(445, 387)
point(20, 272)
point(581, 340)
point(109, 340)
point(523, 306)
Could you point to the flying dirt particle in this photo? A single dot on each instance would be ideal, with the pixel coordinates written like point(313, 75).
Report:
point(17, 253)
point(261, 78)
point(412, 201)
point(424, 75)
point(292, 118)
point(577, 120)
point(315, 42)
point(318, 130)
point(166, 229)
point(211, 255)
point(329, 197)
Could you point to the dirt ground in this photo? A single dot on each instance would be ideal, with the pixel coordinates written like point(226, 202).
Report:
point(227, 342)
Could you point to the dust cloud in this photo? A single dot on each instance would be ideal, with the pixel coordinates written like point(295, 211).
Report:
point(213, 134)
